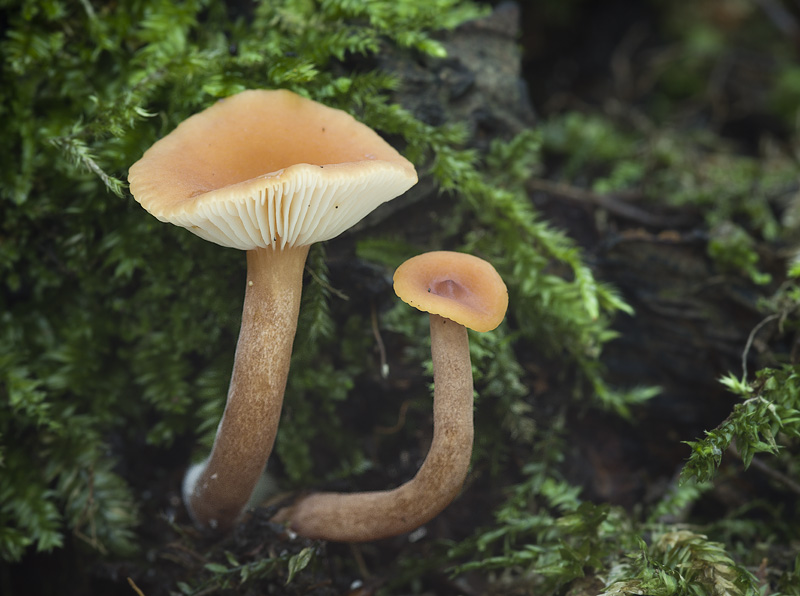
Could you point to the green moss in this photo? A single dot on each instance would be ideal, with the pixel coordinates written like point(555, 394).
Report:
point(771, 407)
point(110, 328)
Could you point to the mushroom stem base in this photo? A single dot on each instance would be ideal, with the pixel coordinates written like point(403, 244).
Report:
point(217, 491)
point(366, 516)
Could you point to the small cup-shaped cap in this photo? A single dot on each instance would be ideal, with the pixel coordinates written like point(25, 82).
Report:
point(268, 168)
point(457, 286)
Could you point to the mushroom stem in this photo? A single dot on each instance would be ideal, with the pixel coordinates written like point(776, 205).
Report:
point(217, 491)
point(366, 516)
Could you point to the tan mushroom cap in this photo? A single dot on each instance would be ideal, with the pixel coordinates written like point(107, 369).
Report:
point(457, 286)
point(268, 168)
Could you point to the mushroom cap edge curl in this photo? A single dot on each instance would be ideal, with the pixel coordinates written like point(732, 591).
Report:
point(454, 285)
point(268, 168)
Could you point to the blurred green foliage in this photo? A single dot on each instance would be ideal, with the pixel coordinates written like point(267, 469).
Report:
point(236, 575)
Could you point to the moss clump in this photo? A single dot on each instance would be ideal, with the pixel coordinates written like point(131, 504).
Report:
point(106, 340)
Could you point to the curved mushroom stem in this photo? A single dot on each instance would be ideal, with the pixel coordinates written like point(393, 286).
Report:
point(216, 491)
point(361, 517)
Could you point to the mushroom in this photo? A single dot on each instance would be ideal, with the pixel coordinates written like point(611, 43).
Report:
point(268, 172)
point(459, 291)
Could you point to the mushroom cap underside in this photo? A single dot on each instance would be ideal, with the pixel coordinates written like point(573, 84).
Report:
point(457, 286)
point(268, 168)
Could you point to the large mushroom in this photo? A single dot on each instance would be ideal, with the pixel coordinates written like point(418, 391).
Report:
point(459, 291)
point(268, 172)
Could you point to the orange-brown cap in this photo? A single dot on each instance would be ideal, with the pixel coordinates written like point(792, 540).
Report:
point(457, 286)
point(268, 168)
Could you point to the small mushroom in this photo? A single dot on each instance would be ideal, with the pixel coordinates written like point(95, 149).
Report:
point(268, 172)
point(459, 291)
